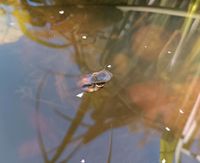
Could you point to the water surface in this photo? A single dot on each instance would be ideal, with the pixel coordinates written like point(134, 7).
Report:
point(147, 113)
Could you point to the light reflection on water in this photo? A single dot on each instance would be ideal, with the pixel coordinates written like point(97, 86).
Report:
point(148, 111)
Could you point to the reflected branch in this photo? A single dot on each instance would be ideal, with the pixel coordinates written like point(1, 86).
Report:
point(34, 38)
point(37, 104)
point(72, 153)
point(68, 118)
point(73, 127)
point(62, 115)
point(110, 147)
point(73, 140)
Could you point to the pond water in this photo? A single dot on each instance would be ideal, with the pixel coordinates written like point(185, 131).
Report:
point(146, 111)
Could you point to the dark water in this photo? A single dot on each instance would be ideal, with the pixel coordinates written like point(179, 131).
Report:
point(147, 113)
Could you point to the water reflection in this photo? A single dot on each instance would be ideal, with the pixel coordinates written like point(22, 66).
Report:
point(147, 95)
point(47, 26)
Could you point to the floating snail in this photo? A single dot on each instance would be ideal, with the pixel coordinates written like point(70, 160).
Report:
point(93, 82)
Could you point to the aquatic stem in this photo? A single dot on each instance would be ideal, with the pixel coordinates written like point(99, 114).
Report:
point(185, 29)
point(159, 10)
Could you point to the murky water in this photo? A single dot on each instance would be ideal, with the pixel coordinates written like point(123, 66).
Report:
point(147, 111)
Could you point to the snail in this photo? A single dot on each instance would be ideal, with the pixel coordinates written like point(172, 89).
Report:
point(94, 81)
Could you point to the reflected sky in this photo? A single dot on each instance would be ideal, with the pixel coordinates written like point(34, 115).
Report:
point(147, 112)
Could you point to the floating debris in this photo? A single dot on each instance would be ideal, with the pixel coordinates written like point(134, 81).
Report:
point(169, 52)
point(93, 82)
point(167, 128)
point(12, 23)
point(80, 95)
point(61, 12)
point(181, 111)
point(84, 37)
point(83, 161)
